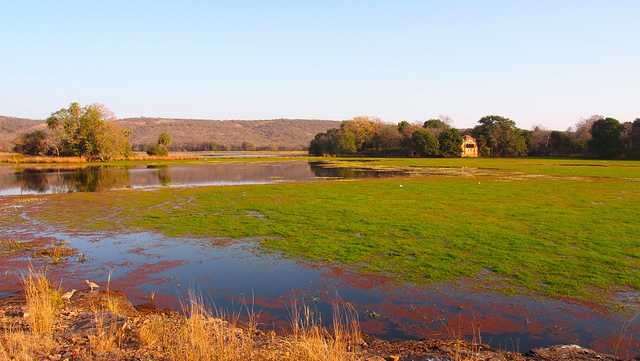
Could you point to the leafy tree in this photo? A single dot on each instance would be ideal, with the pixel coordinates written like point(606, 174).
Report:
point(435, 123)
point(403, 125)
point(361, 130)
point(164, 139)
point(87, 132)
point(161, 148)
point(499, 137)
point(606, 138)
point(424, 144)
point(111, 142)
point(635, 139)
point(561, 143)
point(387, 138)
point(32, 143)
point(346, 142)
point(450, 143)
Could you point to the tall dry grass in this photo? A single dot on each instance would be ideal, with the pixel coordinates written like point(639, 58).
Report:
point(200, 336)
point(43, 302)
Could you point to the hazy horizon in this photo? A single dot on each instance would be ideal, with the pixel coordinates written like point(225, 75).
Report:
point(541, 63)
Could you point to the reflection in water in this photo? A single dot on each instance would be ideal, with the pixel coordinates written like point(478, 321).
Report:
point(230, 274)
point(103, 178)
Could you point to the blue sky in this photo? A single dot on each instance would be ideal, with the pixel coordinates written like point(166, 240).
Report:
point(538, 62)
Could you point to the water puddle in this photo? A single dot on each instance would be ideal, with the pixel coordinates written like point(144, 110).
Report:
point(49, 180)
point(231, 273)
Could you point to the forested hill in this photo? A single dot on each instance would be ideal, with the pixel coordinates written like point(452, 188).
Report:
point(188, 133)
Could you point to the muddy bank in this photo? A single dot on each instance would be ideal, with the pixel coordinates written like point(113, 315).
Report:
point(101, 325)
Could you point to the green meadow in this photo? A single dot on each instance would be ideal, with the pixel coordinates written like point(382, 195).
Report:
point(573, 231)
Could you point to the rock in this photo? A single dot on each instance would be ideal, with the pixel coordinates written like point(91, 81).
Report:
point(569, 353)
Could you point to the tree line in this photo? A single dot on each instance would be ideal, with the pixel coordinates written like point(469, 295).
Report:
point(496, 136)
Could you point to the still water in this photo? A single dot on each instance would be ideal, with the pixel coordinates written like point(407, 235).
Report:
point(232, 275)
point(24, 181)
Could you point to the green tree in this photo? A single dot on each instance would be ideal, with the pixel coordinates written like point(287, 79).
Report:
point(635, 139)
point(606, 138)
point(87, 132)
point(450, 143)
point(424, 144)
point(499, 137)
point(111, 142)
point(164, 139)
point(435, 123)
point(403, 126)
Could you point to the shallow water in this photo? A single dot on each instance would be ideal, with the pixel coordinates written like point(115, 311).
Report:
point(24, 181)
point(233, 273)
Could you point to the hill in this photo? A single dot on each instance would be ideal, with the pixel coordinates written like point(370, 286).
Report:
point(199, 134)
point(11, 127)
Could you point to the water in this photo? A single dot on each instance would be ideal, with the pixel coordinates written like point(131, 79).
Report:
point(231, 274)
point(24, 181)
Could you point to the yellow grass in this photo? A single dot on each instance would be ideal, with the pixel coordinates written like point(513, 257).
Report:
point(200, 336)
point(43, 303)
point(22, 346)
point(108, 335)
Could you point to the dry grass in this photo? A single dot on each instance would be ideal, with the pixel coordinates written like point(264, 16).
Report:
point(108, 334)
point(312, 342)
point(43, 302)
point(14, 158)
point(22, 346)
point(200, 336)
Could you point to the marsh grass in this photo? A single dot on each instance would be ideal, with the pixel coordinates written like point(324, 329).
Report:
point(8, 246)
point(56, 252)
point(42, 303)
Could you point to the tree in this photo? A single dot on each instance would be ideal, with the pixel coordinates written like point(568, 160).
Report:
point(387, 138)
point(499, 137)
point(605, 138)
point(450, 142)
point(87, 132)
point(402, 126)
point(161, 148)
point(362, 130)
point(424, 144)
point(32, 143)
point(635, 139)
point(435, 123)
point(164, 139)
point(112, 142)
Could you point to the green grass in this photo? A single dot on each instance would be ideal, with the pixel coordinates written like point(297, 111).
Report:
point(541, 166)
point(570, 237)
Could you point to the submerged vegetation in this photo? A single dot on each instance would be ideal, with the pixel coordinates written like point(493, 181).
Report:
point(564, 236)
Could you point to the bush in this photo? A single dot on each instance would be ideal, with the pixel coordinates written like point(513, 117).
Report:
point(157, 150)
point(32, 143)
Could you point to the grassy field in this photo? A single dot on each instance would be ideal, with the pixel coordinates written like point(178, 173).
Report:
point(573, 235)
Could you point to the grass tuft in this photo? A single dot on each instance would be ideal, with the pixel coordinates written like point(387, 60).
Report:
point(43, 302)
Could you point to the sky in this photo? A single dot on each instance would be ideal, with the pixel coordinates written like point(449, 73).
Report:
point(547, 63)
